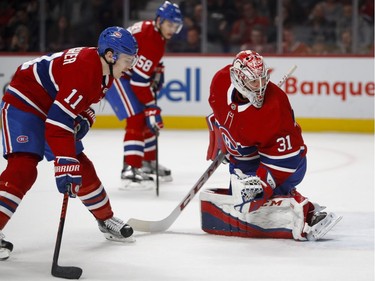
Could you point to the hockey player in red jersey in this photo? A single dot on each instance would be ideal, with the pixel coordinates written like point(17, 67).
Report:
point(134, 97)
point(253, 124)
point(46, 112)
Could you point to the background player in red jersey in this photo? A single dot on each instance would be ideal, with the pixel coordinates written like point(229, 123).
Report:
point(134, 97)
point(253, 124)
point(46, 111)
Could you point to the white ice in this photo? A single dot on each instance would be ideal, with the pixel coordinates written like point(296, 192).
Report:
point(340, 176)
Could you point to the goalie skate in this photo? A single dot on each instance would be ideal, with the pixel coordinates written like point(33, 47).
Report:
point(321, 223)
point(5, 248)
point(136, 179)
point(149, 167)
point(115, 229)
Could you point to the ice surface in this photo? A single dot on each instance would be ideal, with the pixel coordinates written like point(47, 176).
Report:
point(340, 176)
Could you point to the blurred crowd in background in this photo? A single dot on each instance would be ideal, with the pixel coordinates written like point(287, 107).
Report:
point(308, 27)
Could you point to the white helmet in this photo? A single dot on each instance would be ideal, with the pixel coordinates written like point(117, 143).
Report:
point(250, 76)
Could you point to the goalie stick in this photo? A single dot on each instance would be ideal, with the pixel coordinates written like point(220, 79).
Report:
point(67, 272)
point(164, 224)
point(287, 75)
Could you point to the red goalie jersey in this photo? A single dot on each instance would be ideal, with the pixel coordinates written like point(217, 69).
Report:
point(258, 139)
point(253, 124)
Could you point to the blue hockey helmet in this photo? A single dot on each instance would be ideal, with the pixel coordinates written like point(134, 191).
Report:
point(118, 40)
point(171, 12)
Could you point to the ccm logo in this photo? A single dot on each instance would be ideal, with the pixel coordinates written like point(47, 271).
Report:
point(22, 139)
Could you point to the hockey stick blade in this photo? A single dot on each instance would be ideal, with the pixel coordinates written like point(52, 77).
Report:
point(164, 224)
point(67, 272)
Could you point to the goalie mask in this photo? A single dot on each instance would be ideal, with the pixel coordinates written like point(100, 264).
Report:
point(250, 76)
point(172, 13)
point(119, 41)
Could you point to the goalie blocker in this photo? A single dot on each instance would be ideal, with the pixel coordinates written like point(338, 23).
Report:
point(292, 217)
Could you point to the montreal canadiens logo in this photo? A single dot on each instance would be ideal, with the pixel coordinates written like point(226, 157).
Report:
point(22, 139)
point(229, 142)
point(117, 34)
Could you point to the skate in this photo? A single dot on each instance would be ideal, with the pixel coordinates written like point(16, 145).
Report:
point(115, 229)
point(5, 247)
point(149, 167)
point(136, 179)
point(321, 223)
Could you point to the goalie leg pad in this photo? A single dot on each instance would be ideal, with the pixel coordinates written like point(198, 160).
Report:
point(279, 217)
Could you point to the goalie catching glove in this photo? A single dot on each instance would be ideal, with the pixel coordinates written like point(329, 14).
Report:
point(153, 118)
point(84, 122)
point(68, 175)
point(249, 192)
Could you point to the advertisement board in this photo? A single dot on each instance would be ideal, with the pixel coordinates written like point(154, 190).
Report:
point(322, 90)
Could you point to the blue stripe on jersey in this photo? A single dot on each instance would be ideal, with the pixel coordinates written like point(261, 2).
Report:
point(60, 117)
point(139, 79)
point(289, 162)
point(123, 100)
point(42, 68)
point(46, 77)
point(246, 150)
point(24, 99)
point(248, 167)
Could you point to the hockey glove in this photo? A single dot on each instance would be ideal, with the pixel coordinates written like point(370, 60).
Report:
point(153, 118)
point(68, 175)
point(262, 197)
point(250, 192)
point(157, 79)
point(84, 122)
point(268, 185)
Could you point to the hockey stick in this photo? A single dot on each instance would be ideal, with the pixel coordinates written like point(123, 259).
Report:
point(157, 167)
point(67, 272)
point(287, 75)
point(157, 154)
point(164, 224)
point(157, 78)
